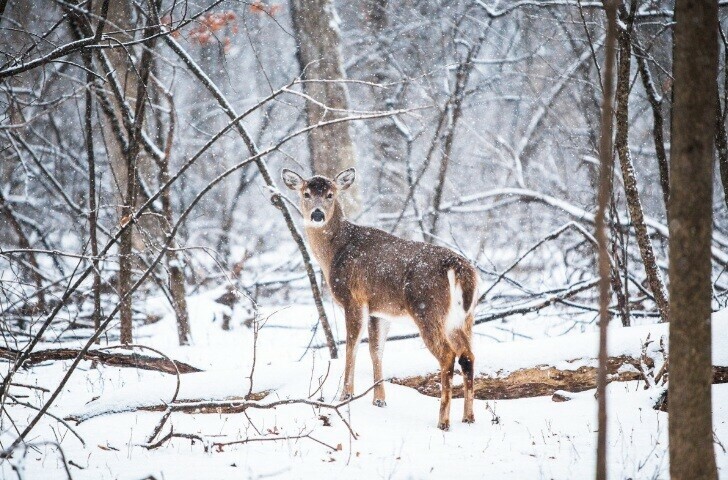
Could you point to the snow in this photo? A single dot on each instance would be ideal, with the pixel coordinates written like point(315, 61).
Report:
point(524, 438)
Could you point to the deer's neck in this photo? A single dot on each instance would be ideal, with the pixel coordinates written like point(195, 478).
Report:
point(327, 240)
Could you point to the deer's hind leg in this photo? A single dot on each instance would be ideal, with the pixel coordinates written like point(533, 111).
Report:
point(429, 309)
point(378, 329)
point(461, 341)
point(440, 347)
point(466, 362)
point(447, 368)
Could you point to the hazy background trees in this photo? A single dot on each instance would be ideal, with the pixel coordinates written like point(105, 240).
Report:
point(497, 148)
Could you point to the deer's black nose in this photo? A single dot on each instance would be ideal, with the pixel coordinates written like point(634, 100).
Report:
point(317, 215)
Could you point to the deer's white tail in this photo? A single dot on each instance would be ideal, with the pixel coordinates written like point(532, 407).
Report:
point(459, 316)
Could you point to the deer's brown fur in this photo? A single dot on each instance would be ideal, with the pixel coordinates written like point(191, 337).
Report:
point(376, 277)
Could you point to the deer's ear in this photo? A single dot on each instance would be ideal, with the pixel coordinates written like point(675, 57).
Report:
point(292, 180)
point(345, 179)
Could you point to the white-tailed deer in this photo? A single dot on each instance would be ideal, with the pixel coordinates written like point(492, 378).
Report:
point(377, 277)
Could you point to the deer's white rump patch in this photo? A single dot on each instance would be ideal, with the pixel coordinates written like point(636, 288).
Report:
point(456, 312)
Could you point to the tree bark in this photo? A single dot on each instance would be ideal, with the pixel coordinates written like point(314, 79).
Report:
point(606, 173)
point(315, 24)
point(621, 141)
point(695, 70)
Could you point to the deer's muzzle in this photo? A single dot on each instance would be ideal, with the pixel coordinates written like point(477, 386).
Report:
point(317, 216)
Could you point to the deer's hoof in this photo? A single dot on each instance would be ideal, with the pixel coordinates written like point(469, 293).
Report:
point(379, 402)
point(444, 426)
point(346, 396)
point(469, 419)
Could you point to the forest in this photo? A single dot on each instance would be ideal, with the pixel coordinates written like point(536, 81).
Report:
point(187, 268)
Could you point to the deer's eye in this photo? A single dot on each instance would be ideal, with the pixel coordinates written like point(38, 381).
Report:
point(330, 195)
point(306, 195)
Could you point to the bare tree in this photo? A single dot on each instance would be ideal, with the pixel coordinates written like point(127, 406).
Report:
point(93, 214)
point(606, 173)
point(621, 142)
point(695, 54)
point(175, 258)
point(134, 132)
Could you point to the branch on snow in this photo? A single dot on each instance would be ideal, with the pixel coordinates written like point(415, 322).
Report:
point(132, 360)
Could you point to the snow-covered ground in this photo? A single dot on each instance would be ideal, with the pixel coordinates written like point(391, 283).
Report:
point(525, 438)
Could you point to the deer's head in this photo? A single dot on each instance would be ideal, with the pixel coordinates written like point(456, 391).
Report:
point(318, 194)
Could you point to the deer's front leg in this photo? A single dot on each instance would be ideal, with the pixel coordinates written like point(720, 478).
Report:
point(378, 329)
point(355, 315)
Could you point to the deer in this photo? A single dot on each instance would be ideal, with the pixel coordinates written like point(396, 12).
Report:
point(378, 278)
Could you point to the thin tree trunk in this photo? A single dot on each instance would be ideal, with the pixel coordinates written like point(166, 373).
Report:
point(132, 155)
point(658, 120)
point(695, 69)
point(319, 56)
point(175, 259)
point(92, 206)
point(615, 278)
point(606, 173)
point(621, 140)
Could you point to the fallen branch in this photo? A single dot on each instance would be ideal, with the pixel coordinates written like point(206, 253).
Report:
point(219, 446)
point(222, 406)
point(132, 360)
point(542, 380)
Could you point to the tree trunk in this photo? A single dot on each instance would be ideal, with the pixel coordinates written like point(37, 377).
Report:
point(606, 174)
point(621, 141)
point(658, 121)
point(92, 204)
point(315, 24)
point(175, 259)
point(695, 69)
point(132, 155)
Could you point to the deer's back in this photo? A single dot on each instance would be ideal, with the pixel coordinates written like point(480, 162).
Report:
point(390, 274)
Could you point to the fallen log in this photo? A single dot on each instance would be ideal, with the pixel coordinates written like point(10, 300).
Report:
point(133, 360)
point(541, 380)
